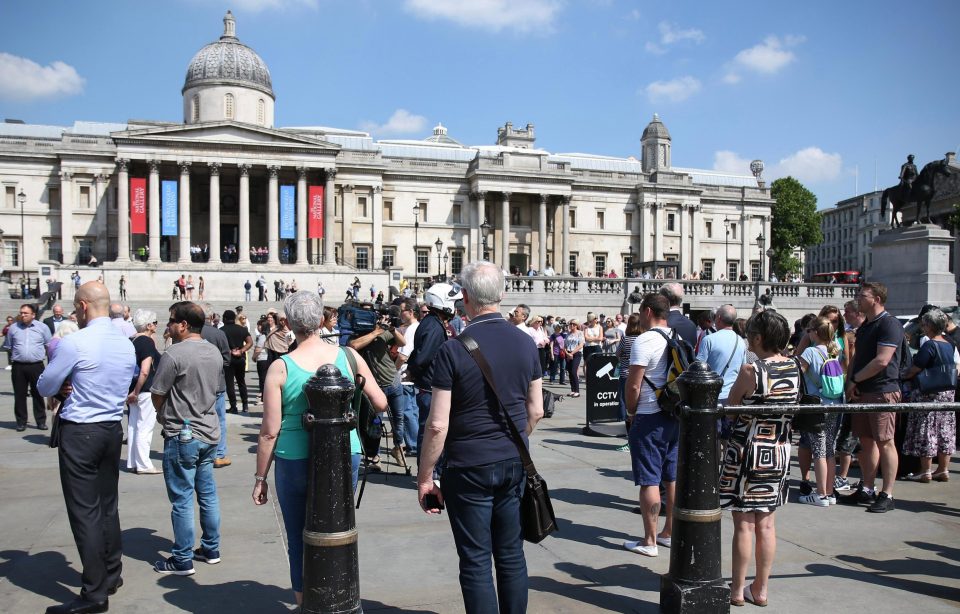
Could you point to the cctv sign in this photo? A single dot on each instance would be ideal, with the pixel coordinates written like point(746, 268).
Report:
point(603, 388)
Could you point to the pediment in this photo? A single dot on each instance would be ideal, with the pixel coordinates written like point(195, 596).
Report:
point(228, 133)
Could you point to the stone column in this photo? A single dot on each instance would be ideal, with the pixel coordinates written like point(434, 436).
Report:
point(542, 234)
point(695, 222)
point(273, 215)
point(101, 203)
point(123, 211)
point(347, 211)
point(768, 234)
point(505, 241)
point(684, 259)
point(476, 235)
point(66, 221)
point(643, 232)
point(564, 268)
point(302, 215)
point(328, 217)
point(744, 244)
point(377, 230)
point(153, 208)
point(214, 240)
point(184, 212)
point(243, 249)
point(657, 212)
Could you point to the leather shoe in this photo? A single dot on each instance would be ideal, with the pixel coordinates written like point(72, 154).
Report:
point(116, 587)
point(79, 606)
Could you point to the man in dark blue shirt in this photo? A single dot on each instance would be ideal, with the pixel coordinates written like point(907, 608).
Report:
point(676, 320)
point(483, 478)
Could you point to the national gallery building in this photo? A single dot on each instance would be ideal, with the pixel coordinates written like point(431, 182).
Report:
point(226, 183)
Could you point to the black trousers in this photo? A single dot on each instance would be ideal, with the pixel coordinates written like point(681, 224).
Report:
point(236, 371)
point(89, 471)
point(25, 375)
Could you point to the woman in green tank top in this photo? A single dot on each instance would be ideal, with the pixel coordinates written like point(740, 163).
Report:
point(282, 434)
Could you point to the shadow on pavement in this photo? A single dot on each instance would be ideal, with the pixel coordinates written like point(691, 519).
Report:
point(610, 445)
point(594, 593)
point(584, 497)
point(238, 596)
point(883, 571)
point(589, 534)
point(43, 573)
point(946, 552)
point(376, 606)
point(143, 544)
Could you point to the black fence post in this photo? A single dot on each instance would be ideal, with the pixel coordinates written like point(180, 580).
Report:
point(694, 583)
point(331, 569)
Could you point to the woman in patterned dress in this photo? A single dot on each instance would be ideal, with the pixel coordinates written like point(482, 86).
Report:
point(757, 457)
point(932, 433)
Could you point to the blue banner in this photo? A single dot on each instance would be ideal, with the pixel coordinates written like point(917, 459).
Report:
point(288, 218)
point(168, 208)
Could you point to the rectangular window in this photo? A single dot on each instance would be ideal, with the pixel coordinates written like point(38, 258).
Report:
point(733, 270)
point(456, 261)
point(389, 257)
point(599, 265)
point(338, 253)
point(363, 257)
point(11, 253)
point(573, 263)
point(457, 213)
point(423, 261)
point(755, 271)
point(388, 211)
point(627, 265)
point(573, 218)
point(515, 216)
point(336, 205)
point(84, 249)
point(709, 229)
point(628, 222)
point(487, 214)
point(53, 249)
point(423, 211)
point(733, 230)
point(599, 220)
point(84, 197)
point(362, 206)
point(11, 197)
point(671, 222)
point(707, 267)
point(54, 198)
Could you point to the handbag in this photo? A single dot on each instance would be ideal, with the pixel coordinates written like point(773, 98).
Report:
point(536, 511)
point(812, 424)
point(937, 377)
point(55, 430)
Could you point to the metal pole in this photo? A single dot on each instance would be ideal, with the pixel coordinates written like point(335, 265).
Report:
point(694, 583)
point(331, 568)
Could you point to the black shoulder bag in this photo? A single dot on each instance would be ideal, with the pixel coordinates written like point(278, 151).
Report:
point(536, 510)
point(812, 424)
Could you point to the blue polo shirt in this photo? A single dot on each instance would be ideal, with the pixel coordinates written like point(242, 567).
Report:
point(478, 433)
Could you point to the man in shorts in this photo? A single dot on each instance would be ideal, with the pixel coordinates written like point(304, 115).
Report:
point(653, 436)
point(874, 378)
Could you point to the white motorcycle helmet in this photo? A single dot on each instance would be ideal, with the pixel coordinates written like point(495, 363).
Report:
point(442, 297)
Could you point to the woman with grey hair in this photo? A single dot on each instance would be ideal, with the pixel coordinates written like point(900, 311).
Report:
point(933, 433)
point(282, 434)
point(143, 416)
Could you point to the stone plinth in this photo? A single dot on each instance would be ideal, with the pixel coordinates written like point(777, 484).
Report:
point(914, 264)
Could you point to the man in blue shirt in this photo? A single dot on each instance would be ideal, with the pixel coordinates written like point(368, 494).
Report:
point(91, 370)
point(724, 350)
point(676, 320)
point(27, 342)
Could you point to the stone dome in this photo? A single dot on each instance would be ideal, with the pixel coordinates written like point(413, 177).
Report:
point(228, 62)
point(655, 130)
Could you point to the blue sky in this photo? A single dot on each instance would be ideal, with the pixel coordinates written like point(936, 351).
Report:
point(816, 89)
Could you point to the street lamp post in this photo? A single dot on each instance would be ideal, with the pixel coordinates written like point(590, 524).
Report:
point(485, 229)
point(760, 242)
point(416, 231)
point(726, 245)
point(445, 256)
point(22, 200)
point(439, 246)
point(629, 273)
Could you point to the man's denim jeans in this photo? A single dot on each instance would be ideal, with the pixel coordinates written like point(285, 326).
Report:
point(188, 468)
point(221, 406)
point(483, 504)
point(423, 406)
point(411, 419)
point(396, 401)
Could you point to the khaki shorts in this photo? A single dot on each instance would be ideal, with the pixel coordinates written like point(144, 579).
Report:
point(878, 427)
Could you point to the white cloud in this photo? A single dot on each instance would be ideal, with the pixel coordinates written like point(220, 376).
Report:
point(654, 48)
point(675, 90)
point(811, 164)
point(729, 162)
point(766, 58)
point(401, 122)
point(519, 15)
point(23, 79)
point(669, 36)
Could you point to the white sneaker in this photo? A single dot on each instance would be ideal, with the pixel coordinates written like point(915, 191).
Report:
point(664, 541)
point(8, 368)
point(815, 499)
point(640, 548)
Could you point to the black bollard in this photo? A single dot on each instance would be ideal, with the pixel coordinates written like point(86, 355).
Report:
point(331, 569)
point(694, 583)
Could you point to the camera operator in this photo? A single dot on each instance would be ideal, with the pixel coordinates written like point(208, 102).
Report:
point(410, 316)
point(440, 300)
point(375, 348)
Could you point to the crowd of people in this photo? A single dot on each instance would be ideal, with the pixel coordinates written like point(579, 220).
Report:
point(96, 361)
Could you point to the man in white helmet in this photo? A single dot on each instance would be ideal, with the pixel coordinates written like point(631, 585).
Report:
point(440, 301)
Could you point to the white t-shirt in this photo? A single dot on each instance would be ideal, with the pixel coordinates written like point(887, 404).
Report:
point(648, 351)
point(407, 349)
point(622, 327)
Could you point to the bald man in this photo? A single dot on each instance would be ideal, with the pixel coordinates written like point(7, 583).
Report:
point(91, 371)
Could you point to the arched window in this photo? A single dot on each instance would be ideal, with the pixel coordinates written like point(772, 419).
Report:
point(228, 110)
point(196, 108)
point(261, 112)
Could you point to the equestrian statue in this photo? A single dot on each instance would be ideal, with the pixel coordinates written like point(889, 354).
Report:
point(914, 187)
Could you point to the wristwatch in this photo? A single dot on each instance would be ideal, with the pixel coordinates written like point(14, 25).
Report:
point(259, 478)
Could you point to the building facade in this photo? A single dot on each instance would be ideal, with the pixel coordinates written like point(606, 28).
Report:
point(849, 229)
point(421, 205)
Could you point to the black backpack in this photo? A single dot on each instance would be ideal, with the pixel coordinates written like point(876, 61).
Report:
point(369, 424)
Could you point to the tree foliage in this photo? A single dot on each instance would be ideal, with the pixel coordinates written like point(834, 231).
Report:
point(795, 223)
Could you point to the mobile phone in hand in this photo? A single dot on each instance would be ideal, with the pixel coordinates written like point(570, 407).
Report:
point(432, 502)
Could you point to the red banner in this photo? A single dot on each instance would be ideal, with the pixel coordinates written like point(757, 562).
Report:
point(315, 212)
point(138, 206)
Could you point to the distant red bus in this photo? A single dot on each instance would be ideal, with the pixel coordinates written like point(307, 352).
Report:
point(837, 277)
